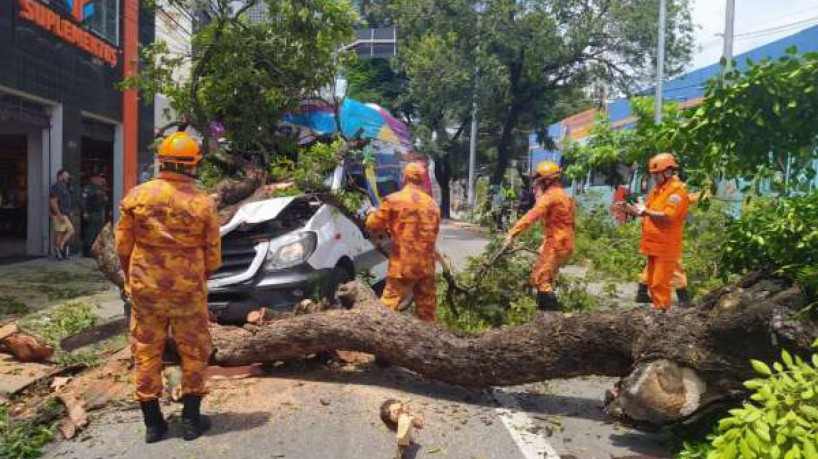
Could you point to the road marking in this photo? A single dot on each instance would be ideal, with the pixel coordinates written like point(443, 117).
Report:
point(531, 445)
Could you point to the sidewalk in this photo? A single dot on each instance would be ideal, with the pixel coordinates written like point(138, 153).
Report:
point(34, 285)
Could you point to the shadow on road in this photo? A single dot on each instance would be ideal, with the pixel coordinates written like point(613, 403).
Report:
point(636, 443)
point(225, 423)
point(404, 380)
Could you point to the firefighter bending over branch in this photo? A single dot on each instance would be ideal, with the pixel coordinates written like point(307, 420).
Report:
point(168, 243)
point(411, 218)
point(555, 209)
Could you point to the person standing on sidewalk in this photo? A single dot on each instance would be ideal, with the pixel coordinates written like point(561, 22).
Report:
point(94, 202)
point(61, 206)
point(663, 217)
point(168, 243)
point(555, 209)
point(412, 219)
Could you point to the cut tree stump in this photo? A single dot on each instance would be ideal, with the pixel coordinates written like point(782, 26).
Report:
point(672, 365)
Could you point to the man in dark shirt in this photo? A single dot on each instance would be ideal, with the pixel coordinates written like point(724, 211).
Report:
point(94, 201)
point(61, 209)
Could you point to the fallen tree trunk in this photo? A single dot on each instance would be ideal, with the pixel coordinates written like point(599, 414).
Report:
point(673, 364)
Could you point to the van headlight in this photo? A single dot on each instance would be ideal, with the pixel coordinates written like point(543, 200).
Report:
point(290, 250)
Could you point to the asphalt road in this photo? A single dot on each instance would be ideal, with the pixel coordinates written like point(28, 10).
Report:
point(312, 411)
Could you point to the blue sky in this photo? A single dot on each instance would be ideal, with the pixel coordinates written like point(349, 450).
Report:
point(757, 22)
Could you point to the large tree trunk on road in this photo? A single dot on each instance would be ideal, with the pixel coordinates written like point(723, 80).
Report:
point(673, 364)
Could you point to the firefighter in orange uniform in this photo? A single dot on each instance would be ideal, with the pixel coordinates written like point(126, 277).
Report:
point(168, 243)
point(663, 217)
point(555, 209)
point(679, 280)
point(411, 218)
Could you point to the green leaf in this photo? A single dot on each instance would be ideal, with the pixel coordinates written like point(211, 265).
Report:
point(746, 450)
point(810, 451)
point(763, 431)
point(791, 50)
point(810, 411)
point(752, 440)
point(730, 452)
point(761, 367)
point(787, 359)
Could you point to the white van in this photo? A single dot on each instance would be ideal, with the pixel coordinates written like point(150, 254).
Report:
point(280, 251)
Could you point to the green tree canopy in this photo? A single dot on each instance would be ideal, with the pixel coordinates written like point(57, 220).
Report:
point(532, 58)
point(246, 74)
point(758, 123)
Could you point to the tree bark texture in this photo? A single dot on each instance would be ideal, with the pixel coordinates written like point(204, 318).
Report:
point(673, 364)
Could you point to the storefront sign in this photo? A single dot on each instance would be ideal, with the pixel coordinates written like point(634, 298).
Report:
point(67, 30)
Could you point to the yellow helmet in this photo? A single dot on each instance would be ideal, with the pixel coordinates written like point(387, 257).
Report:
point(179, 148)
point(547, 170)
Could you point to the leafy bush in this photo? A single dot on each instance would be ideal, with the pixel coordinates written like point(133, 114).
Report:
point(780, 421)
point(312, 165)
point(12, 307)
point(611, 250)
point(777, 235)
point(65, 320)
point(504, 296)
point(22, 440)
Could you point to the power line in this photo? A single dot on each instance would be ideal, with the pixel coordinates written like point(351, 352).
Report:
point(762, 32)
point(780, 28)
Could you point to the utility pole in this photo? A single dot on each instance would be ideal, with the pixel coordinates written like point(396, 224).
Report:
point(660, 65)
point(729, 21)
point(473, 136)
point(473, 144)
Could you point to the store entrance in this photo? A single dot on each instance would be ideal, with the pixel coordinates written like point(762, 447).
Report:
point(97, 175)
point(13, 195)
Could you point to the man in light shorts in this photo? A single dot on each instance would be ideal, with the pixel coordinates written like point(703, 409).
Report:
point(61, 209)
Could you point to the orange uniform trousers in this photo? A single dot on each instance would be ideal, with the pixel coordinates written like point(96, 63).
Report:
point(149, 332)
point(423, 290)
point(660, 275)
point(546, 268)
point(677, 282)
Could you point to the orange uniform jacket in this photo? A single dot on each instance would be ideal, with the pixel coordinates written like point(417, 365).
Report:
point(412, 219)
point(664, 240)
point(168, 242)
point(556, 211)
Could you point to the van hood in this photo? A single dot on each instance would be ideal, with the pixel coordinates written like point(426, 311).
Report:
point(256, 212)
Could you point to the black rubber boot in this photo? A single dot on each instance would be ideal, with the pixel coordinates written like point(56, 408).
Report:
point(193, 422)
point(683, 295)
point(642, 294)
point(155, 425)
point(547, 302)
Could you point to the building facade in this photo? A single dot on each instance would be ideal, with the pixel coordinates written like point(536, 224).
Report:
point(174, 26)
point(60, 108)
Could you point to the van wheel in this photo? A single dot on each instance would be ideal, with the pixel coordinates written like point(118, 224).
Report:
point(337, 277)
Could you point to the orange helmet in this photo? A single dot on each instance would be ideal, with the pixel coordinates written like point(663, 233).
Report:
point(662, 162)
point(179, 148)
point(414, 173)
point(547, 170)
